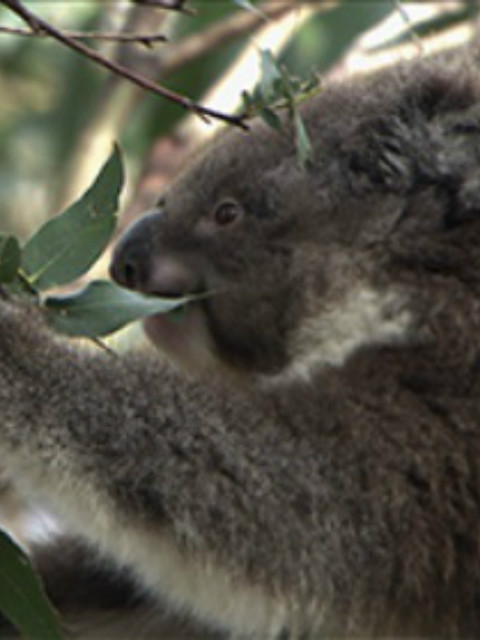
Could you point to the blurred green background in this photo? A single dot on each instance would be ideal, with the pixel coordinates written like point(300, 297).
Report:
point(53, 102)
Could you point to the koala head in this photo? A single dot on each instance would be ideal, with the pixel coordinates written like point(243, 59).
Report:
point(301, 268)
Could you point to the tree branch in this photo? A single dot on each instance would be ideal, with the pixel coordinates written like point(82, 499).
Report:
point(144, 39)
point(38, 25)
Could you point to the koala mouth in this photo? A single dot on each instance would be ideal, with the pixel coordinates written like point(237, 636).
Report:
point(183, 336)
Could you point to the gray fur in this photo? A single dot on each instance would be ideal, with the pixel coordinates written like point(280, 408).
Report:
point(310, 465)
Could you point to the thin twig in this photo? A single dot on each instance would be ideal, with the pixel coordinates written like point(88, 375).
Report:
point(144, 39)
point(403, 13)
point(100, 344)
point(38, 25)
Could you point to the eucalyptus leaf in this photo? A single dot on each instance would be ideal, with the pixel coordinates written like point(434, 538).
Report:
point(66, 246)
point(304, 146)
point(270, 74)
point(22, 598)
point(248, 103)
point(287, 87)
point(102, 308)
point(271, 118)
point(10, 258)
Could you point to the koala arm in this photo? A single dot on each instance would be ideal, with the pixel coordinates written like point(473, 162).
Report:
point(140, 462)
point(244, 512)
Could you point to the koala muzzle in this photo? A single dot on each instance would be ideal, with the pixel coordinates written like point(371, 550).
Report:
point(140, 265)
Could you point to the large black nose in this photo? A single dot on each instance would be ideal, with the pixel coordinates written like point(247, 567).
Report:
point(131, 262)
point(141, 263)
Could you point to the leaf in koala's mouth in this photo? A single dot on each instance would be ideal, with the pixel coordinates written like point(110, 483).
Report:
point(177, 314)
point(102, 307)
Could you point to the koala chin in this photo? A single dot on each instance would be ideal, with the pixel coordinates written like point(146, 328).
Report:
point(305, 463)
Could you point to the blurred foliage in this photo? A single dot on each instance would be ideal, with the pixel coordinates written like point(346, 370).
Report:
point(51, 96)
point(48, 94)
point(157, 118)
point(328, 36)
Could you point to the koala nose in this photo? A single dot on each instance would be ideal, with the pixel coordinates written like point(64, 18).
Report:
point(137, 264)
point(130, 266)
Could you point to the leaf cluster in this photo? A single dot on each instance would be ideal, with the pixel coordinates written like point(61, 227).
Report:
point(63, 250)
point(278, 89)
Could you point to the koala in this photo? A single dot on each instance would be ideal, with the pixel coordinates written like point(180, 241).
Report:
point(303, 461)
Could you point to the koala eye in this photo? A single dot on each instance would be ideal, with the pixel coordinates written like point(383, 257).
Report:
point(227, 212)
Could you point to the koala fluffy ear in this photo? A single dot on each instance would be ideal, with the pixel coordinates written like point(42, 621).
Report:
point(380, 155)
point(457, 138)
point(418, 149)
point(398, 148)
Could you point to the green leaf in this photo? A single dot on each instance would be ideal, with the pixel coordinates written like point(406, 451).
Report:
point(102, 308)
point(248, 103)
point(304, 146)
point(22, 598)
point(285, 86)
point(271, 118)
point(66, 246)
point(270, 74)
point(10, 258)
